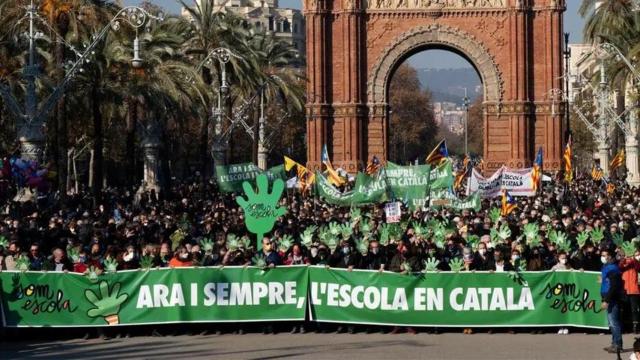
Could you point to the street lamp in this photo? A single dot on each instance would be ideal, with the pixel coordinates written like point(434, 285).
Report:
point(465, 103)
point(223, 56)
point(31, 120)
point(567, 58)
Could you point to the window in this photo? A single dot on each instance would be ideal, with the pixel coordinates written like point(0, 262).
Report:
point(271, 23)
point(295, 28)
point(286, 26)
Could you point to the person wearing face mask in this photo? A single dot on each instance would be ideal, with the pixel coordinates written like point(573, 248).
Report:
point(611, 291)
point(345, 257)
point(181, 258)
point(563, 262)
point(296, 257)
point(629, 266)
point(482, 259)
point(500, 264)
point(375, 259)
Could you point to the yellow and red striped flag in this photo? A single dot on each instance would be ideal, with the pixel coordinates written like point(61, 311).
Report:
point(617, 161)
point(568, 168)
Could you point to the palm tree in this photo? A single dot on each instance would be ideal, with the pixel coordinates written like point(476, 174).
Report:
point(272, 59)
point(611, 17)
point(166, 87)
point(211, 29)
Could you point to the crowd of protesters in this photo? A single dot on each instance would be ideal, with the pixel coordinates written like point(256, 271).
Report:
point(190, 224)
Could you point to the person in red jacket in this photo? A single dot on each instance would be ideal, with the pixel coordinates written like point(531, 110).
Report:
point(630, 266)
point(181, 258)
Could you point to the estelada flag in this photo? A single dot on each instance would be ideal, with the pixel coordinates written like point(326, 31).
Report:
point(596, 173)
point(373, 166)
point(508, 203)
point(332, 175)
point(439, 154)
point(536, 174)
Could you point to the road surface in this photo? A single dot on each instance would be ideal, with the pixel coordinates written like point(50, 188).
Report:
point(448, 346)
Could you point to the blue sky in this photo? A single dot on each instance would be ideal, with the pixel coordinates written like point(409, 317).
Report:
point(433, 58)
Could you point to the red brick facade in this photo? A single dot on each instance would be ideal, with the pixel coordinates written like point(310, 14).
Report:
point(353, 48)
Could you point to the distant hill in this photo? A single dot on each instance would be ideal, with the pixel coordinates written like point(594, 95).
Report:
point(448, 84)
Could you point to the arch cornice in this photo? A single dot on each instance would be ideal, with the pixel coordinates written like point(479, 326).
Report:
point(437, 35)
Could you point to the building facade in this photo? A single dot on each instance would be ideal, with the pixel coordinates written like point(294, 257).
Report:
point(285, 24)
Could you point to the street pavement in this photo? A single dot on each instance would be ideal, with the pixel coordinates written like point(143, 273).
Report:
point(448, 346)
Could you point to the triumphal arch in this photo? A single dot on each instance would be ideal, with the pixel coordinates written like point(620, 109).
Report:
point(354, 46)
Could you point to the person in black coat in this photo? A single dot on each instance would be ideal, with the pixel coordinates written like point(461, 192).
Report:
point(375, 258)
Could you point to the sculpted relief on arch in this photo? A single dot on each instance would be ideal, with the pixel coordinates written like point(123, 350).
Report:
point(434, 4)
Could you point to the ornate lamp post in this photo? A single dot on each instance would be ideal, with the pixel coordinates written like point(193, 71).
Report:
point(222, 56)
point(31, 120)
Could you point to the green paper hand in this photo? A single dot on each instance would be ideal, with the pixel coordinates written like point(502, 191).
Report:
point(261, 208)
point(107, 304)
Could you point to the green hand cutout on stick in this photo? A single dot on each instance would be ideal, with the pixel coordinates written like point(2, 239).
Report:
point(261, 208)
point(107, 303)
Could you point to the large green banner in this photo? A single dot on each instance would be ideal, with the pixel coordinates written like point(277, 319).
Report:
point(465, 299)
point(235, 294)
point(154, 296)
point(231, 177)
point(409, 184)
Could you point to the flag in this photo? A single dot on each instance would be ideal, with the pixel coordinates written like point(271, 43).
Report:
point(305, 177)
point(617, 161)
point(610, 188)
point(508, 203)
point(462, 174)
point(536, 174)
point(373, 166)
point(439, 154)
point(289, 163)
point(596, 173)
point(568, 169)
point(333, 176)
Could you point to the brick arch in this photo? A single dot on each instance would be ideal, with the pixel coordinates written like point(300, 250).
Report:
point(437, 36)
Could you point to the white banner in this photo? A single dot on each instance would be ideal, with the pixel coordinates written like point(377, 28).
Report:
point(393, 212)
point(516, 182)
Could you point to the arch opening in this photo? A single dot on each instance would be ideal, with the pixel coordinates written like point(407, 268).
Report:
point(432, 93)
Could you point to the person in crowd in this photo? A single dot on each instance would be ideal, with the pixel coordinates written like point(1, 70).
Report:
point(611, 291)
point(499, 263)
point(482, 259)
point(271, 257)
point(58, 261)
point(181, 258)
point(630, 265)
point(296, 257)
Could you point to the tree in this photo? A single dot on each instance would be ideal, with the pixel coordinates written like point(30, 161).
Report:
point(412, 126)
point(476, 128)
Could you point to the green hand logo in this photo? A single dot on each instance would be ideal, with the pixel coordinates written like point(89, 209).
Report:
point(261, 208)
point(107, 304)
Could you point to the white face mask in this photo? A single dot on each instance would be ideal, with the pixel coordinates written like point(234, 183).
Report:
point(482, 251)
point(515, 257)
point(314, 252)
point(563, 261)
point(603, 259)
point(127, 257)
